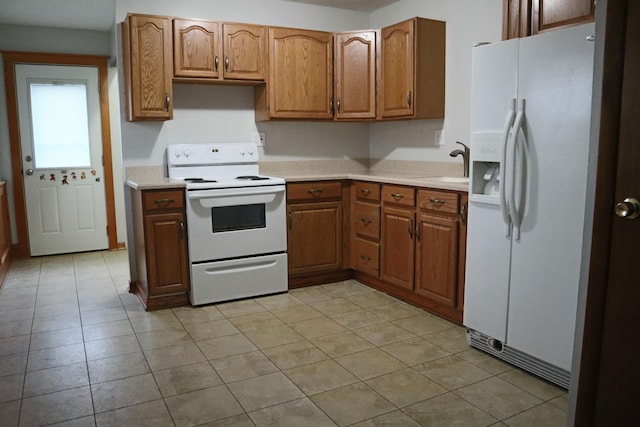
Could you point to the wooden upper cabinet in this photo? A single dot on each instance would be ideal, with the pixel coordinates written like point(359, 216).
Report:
point(412, 70)
point(300, 76)
point(521, 18)
point(552, 14)
point(147, 57)
point(245, 51)
point(196, 48)
point(221, 51)
point(355, 75)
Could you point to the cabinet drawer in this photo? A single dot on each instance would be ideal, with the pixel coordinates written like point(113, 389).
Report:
point(367, 191)
point(399, 195)
point(440, 201)
point(367, 220)
point(366, 257)
point(166, 199)
point(319, 190)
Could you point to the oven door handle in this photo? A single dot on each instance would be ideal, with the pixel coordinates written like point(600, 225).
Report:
point(234, 192)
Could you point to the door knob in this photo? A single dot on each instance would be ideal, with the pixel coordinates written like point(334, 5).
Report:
point(628, 209)
point(29, 171)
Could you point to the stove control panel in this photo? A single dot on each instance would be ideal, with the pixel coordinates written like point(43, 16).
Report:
point(212, 154)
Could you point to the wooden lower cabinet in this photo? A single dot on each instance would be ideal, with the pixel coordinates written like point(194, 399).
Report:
point(161, 253)
point(407, 242)
point(437, 259)
point(5, 233)
point(317, 222)
point(314, 240)
point(398, 246)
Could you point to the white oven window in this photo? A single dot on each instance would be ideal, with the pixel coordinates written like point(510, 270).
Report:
point(242, 217)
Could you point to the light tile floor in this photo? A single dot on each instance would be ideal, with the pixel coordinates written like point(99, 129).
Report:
point(78, 350)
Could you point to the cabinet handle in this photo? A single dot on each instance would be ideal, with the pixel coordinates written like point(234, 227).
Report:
point(216, 63)
point(365, 191)
point(181, 230)
point(410, 228)
point(167, 100)
point(418, 231)
point(226, 63)
point(163, 201)
point(365, 221)
point(397, 196)
point(463, 214)
point(409, 99)
point(436, 201)
point(331, 105)
point(315, 191)
point(365, 258)
point(338, 105)
point(290, 220)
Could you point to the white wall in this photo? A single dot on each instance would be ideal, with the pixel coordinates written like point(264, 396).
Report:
point(468, 21)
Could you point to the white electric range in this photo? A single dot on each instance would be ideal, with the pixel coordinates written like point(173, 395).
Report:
point(236, 221)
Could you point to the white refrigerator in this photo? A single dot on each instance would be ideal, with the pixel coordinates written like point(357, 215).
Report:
point(530, 121)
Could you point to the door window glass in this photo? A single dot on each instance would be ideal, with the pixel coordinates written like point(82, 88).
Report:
point(60, 125)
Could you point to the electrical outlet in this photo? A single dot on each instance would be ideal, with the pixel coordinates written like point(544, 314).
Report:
point(438, 137)
point(259, 138)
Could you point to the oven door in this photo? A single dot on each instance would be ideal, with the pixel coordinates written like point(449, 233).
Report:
point(236, 222)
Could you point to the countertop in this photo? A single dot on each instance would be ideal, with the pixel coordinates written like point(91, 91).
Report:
point(152, 182)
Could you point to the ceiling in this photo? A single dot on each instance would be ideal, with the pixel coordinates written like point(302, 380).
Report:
point(100, 14)
point(361, 5)
point(77, 14)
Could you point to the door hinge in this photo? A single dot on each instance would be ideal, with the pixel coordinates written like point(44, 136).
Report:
point(107, 230)
point(103, 160)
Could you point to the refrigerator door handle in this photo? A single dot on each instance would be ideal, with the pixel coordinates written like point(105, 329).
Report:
point(516, 216)
point(503, 191)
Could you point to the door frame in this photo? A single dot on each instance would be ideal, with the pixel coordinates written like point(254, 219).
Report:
point(584, 404)
point(21, 249)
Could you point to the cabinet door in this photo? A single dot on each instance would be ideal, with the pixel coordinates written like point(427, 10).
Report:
point(552, 14)
point(355, 75)
point(300, 74)
point(397, 247)
point(196, 48)
point(314, 241)
point(245, 51)
point(462, 250)
point(166, 247)
point(516, 19)
point(397, 70)
point(437, 259)
point(149, 68)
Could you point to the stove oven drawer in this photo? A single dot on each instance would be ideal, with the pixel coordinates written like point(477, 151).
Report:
point(317, 190)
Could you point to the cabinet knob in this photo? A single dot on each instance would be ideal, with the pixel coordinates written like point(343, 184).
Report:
point(365, 258)
point(436, 202)
point(365, 221)
point(216, 63)
point(167, 101)
point(409, 99)
point(365, 191)
point(410, 228)
point(226, 63)
point(315, 191)
point(397, 196)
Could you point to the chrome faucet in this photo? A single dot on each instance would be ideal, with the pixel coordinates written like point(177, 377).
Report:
point(465, 156)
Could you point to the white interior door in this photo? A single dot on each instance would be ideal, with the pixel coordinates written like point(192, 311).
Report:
point(60, 137)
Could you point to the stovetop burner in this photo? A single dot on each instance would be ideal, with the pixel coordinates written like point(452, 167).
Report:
point(199, 180)
point(252, 177)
